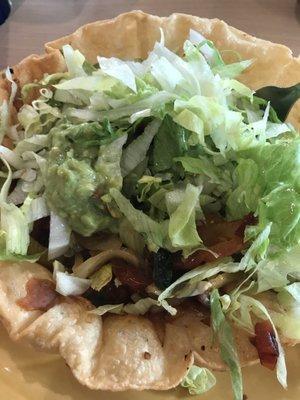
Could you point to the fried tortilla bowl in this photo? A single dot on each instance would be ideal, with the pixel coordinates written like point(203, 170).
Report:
point(131, 352)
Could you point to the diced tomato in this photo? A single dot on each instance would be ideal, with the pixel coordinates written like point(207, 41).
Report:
point(7, 142)
point(133, 277)
point(215, 232)
point(222, 249)
point(222, 238)
point(41, 295)
point(266, 344)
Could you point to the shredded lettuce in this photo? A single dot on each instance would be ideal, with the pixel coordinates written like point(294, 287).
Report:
point(153, 102)
point(14, 220)
point(287, 323)
point(131, 238)
point(118, 69)
point(286, 315)
point(191, 283)
point(182, 226)
point(206, 167)
point(257, 250)
point(232, 70)
point(74, 60)
point(15, 224)
point(198, 380)
point(92, 83)
point(223, 332)
point(274, 273)
point(108, 164)
point(151, 230)
point(172, 137)
point(139, 308)
point(11, 157)
point(196, 38)
point(289, 296)
point(4, 117)
point(5, 255)
point(108, 308)
point(6, 106)
point(39, 117)
point(190, 121)
point(102, 277)
point(267, 183)
point(241, 314)
point(136, 151)
point(146, 149)
point(34, 143)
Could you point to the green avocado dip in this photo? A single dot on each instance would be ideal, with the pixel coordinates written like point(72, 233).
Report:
point(76, 179)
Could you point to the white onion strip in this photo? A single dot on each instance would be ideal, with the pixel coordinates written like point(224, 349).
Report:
point(38, 209)
point(59, 236)
point(88, 267)
point(69, 285)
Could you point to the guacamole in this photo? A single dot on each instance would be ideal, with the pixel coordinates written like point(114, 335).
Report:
point(74, 177)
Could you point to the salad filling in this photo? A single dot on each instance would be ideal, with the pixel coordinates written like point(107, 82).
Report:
point(151, 185)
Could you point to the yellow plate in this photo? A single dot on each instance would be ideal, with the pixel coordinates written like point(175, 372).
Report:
point(26, 374)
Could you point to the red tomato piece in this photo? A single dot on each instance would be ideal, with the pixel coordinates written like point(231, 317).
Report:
point(266, 344)
point(7, 142)
point(135, 278)
point(41, 295)
point(222, 238)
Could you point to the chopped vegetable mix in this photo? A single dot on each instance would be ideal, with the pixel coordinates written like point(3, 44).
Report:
point(151, 182)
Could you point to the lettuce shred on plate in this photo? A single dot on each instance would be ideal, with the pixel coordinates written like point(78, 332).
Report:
point(150, 182)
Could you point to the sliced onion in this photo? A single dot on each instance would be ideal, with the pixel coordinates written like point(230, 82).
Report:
point(17, 196)
point(11, 157)
point(35, 186)
point(38, 209)
point(69, 285)
point(59, 236)
point(33, 160)
point(29, 175)
point(88, 267)
point(18, 174)
point(14, 134)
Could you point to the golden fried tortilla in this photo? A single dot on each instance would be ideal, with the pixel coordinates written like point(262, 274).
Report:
point(129, 352)
point(117, 352)
point(13, 279)
point(114, 353)
point(132, 35)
